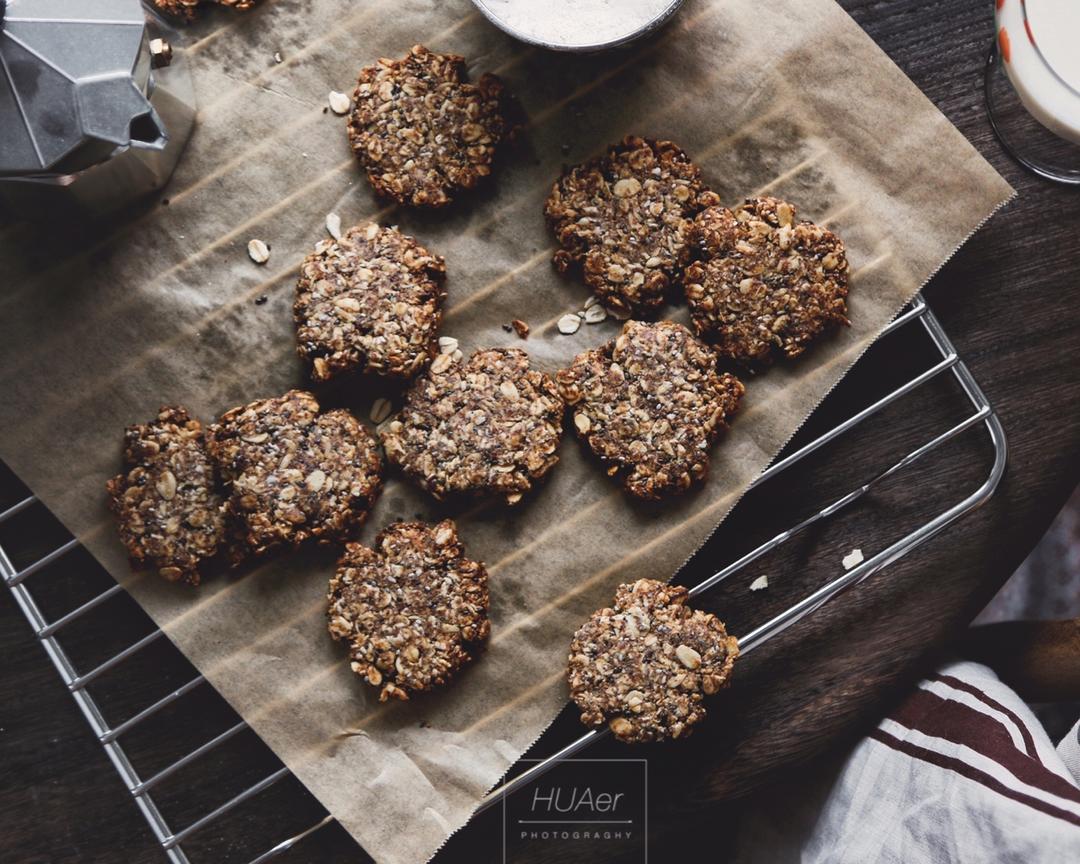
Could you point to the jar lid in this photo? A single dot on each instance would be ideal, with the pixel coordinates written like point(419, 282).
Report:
point(1038, 40)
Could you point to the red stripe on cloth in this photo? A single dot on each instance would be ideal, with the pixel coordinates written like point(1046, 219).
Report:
point(1025, 733)
point(981, 777)
point(958, 723)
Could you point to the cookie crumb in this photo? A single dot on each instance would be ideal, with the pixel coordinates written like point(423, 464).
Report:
point(852, 559)
point(520, 327)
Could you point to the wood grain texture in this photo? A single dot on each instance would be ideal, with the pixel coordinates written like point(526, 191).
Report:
point(1007, 300)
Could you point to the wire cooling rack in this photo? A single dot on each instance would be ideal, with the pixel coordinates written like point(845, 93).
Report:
point(144, 786)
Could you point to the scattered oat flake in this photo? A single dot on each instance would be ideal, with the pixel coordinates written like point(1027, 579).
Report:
point(853, 559)
point(569, 324)
point(380, 410)
point(258, 251)
point(339, 102)
point(595, 314)
point(760, 583)
point(520, 327)
point(333, 225)
point(278, 58)
point(592, 301)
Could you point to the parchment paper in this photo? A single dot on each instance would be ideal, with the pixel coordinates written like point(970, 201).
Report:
point(792, 98)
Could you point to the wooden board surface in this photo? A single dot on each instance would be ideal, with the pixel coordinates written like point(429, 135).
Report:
point(1006, 299)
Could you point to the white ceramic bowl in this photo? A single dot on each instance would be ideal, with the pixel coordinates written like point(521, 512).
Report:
point(578, 25)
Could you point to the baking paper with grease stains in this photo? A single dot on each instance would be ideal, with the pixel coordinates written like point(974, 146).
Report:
point(792, 99)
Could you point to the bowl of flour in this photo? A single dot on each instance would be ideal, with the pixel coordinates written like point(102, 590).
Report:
point(577, 25)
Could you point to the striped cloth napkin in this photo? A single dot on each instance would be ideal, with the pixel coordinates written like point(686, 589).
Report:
point(961, 771)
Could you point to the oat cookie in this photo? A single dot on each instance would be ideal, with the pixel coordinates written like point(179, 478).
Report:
point(188, 9)
point(412, 609)
point(650, 404)
point(294, 473)
point(644, 666)
point(167, 509)
point(421, 132)
point(371, 302)
point(625, 218)
point(767, 283)
point(486, 425)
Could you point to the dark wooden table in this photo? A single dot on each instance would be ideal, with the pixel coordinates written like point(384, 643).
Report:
point(1008, 301)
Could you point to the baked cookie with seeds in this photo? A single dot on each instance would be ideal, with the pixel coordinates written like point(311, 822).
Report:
point(188, 9)
point(412, 609)
point(644, 666)
point(168, 511)
point(766, 282)
point(650, 404)
point(293, 473)
point(486, 425)
point(371, 302)
point(421, 131)
point(625, 219)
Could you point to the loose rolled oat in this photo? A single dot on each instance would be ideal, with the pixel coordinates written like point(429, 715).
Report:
point(371, 302)
point(766, 283)
point(487, 425)
point(412, 609)
point(258, 251)
point(293, 473)
point(422, 132)
point(625, 219)
point(650, 404)
point(644, 666)
point(339, 102)
point(168, 512)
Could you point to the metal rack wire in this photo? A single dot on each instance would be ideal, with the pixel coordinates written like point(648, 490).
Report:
point(141, 788)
